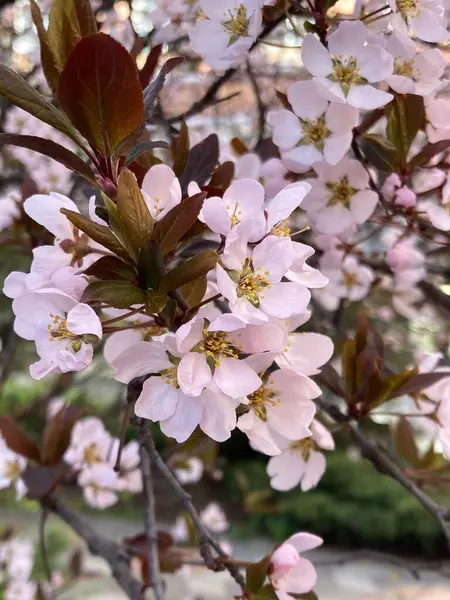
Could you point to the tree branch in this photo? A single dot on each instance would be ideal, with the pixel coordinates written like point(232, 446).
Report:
point(259, 102)
point(110, 551)
point(207, 541)
point(150, 518)
point(383, 463)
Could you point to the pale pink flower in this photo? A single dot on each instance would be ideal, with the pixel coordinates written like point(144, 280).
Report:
point(179, 531)
point(214, 518)
point(190, 471)
point(345, 71)
point(12, 465)
point(340, 197)
point(425, 18)
point(100, 485)
point(437, 111)
point(227, 33)
point(289, 572)
point(18, 556)
point(405, 197)
point(305, 352)
point(302, 273)
point(352, 280)
point(90, 444)
point(51, 176)
point(9, 210)
point(316, 129)
point(439, 215)
point(60, 326)
point(271, 173)
point(172, 18)
point(21, 590)
point(301, 462)
point(65, 279)
point(161, 190)
point(130, 475)
point(252, 282)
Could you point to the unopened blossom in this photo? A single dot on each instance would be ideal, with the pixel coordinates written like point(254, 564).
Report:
point(252, 279)
point(301, 462)
point(290, 573)
point(405, 197)
point(71, 247)
point(352, 280)
point(190, 471)
point(281, 406)
point(346, 70)
point(163, 400)
point(65, 279)
point(425, 18)
point(316, 129)
point(62, 328)
point(161, 190)
point(228, 31)
point(340, 197)
point(414, 72)
point(100, 485)
point(214, 518)
point(243, 205)
point(12, 465)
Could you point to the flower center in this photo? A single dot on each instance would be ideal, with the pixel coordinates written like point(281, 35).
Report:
point(304, 446)
point(12, 470)
point(263, 397)
point(235, 216)
point(216, 345)
point(315, 130)
point(408, 8)
point(169, 376)
point(350, 279)
point(405, 68)
point(346, 72)
point(237, 23)
point(340, 191)
point(251, 283)
point(57, 329)
point(90, 454)
point(282, 229)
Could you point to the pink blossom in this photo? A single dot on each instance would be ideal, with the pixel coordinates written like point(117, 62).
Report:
point(161, 190)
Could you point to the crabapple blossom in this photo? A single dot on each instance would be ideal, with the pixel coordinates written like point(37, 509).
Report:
point(340, 197)
point(100, 485)
point(301, 462)
point(407, 262)
point(425, 18)
point(129, 475)
point(21, 590)
point(228, 31)
point(90, 444)
point(179, 530)
point(271, 173)
point(161, 190)
point(346, 69)
point(289, 573)
point(251, 280)
point(190, 471)
point(12, 465)
point(304, 352)
point(439, 215)
point(66, 280)
point(9, 210)
point(214, 518)
point(171, 18)
point(316, 128)
point(302, 273)
point(351, 280)
point(72, 247)
point(61, 327)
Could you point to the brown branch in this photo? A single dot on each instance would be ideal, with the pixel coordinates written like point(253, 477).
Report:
point(209, 97)
point(150, 518)
point(207, 541)
point(259, 102)
point(383, 463)
point(99, 545)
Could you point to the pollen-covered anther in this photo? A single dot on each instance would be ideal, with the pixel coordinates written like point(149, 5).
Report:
point(216, 345)
point(263, 397)
point(169, 376)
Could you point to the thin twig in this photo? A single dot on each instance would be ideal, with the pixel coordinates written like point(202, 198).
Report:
point(150, 517)
point(259, 102)
point(383, 463)
point(206, 540)
point(43, 545)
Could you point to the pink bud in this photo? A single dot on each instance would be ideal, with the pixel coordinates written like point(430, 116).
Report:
point(405, 197)
point(391, 184)
point(283, 560)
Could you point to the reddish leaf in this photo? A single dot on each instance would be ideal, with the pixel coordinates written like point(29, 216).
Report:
point(151, 91)
point(57, 434)
point(223, 176)
point(146, 73)
point(49, 60)
point(427, 153)
point(405, 442)
point(194, 291)
point(418, 382)
point(41, 480)
point(138, 543)
point(111, 267)
point(239, 146)
point(330, 377)
point(190, 270)
point(51, 149)
point(201, 162)
point(17, 440)
point(100, 91)
point(180, 150)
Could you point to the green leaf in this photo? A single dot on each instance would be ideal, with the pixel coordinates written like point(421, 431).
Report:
point(192, 269)
point(150, 265)
point(405, 442)
point(349, 366)
point(265, 593)
point(111, 267)
point(69, 22)
point(406, 116)
point(155, 302)
point(49, 60)
point(133, 213)
point(380, 152)
point(194, 291)
point(51, 149)
point(180, 150)
point(118, 294)
point(256, 574)
point(15, 89)
point(178, 222)
point(99, 90)
point(99, 233)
